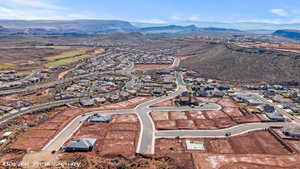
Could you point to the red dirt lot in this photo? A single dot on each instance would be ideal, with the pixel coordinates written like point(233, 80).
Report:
point(160, 116)
point(258, 142)
point(185, 124)
point(196, 115)
point(256, 150)
point(35, 138)
point(165, 103)
point(205, 124)
point(33, 143)
point(166, 125)
point(245, 161)
point(228, 116)
point(227, 102)
point(221, 146)
point(253, 147)
point(178, 115)
point(212, 114)
point(119, 137)
point(232, 111)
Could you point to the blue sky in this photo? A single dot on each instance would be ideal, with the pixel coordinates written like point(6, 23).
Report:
point(155, 11)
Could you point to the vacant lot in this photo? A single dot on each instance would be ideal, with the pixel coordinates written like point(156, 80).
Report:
point(119, 137)
point(258, 148)
point(252, 146)
point(36, 138)
point(228, 116)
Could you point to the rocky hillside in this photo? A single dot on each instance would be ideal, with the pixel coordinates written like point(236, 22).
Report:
point(234, 63)
point(292, 34)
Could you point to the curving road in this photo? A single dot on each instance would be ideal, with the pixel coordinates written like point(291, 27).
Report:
point(148, 132)
point(235, 130)
point(63, 136)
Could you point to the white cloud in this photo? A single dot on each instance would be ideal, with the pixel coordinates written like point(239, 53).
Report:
point(31, 9)
point(193, 18)
point(153, 21)
point(187, 18)
point(279, 12)
point(271, 21)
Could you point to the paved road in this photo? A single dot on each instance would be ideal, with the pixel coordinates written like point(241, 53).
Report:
point(147, 135)
point(235, 130)
point(49, 105)
point(55, 83)
point(63, 136)
point(175, 63)
point(38, 107)
point(284, 112)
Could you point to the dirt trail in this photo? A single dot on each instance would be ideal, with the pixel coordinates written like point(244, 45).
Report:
point(62, 75)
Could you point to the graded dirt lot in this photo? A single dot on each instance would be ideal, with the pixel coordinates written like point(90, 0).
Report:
point(37, 137)
point(165, 103)
point(119, 137)
point(228, 116)
point(245, 161)
point(41, 96)
point(252, 146)
point(258, 142)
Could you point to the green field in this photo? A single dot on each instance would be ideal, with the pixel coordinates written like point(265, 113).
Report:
point(66, 55)
point(7, 66)
point(62, 62)
point(54, 47)
point(86, 56)
point(67, 61)
point(99, 50)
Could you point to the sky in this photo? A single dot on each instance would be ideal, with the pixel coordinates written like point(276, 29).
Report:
point(155, 11)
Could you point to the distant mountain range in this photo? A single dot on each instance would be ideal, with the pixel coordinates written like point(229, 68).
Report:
point(92, 27)
point(110, 26)
point(72, 26)
point(245, 26)
point(292, 34)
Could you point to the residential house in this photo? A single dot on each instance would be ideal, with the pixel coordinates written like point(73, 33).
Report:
point(101, 118)
point(276, 116)
point(87, 102)
point(81, 145)
point(292, 131)
point(266, 108)
point(201, 93)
